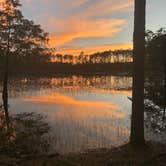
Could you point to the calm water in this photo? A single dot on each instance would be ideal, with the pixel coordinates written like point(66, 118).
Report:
point(84, 112)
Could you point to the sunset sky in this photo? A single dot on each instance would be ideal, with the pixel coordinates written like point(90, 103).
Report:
point(91, 25)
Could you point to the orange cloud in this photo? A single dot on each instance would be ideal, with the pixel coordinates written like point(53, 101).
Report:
point(80, 19)
point(1, 4)
point(75, 28)
point(93, 49)
point(81, 24)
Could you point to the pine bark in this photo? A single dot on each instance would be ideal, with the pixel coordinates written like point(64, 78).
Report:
point(137, 119)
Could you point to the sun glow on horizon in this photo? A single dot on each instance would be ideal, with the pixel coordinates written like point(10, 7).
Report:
point(92, 49)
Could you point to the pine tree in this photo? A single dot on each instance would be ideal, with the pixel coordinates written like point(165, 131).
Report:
point(137, 119)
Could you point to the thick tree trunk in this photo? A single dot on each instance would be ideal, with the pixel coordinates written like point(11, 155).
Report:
point(164, 109)
point(137, 119)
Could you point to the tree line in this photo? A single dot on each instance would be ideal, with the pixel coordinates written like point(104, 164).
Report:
point(116, 56)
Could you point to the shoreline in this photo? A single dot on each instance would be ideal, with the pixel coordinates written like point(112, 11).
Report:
point(152, 154)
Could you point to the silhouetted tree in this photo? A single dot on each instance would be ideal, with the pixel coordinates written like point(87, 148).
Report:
point(80, 58)
point(59, 58)
point(137, 119)
point(19, 37)
point(156, 63)
point(71, 58)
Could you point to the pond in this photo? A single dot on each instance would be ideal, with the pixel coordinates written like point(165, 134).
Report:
point(84, 112)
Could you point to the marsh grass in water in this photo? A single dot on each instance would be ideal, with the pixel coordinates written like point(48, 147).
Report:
point(28, 135)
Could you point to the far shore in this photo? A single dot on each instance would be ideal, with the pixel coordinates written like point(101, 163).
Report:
point(69, 69)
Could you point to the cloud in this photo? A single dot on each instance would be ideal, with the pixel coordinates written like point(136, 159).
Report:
point(79, 24)
point(72, 4)
point(1, 4)
point(106, 7)
point(67, 20)
point(84, 29)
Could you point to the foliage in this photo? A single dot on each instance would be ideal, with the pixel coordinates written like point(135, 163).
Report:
point(29, 134)
point(154, 118)
point(154, 89)
point(156, 48)
point(156, 66)
point(155, 80)
point(21, 38)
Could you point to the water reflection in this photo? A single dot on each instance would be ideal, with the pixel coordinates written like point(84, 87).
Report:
point(78, 109)
point(84, 112)
point(69, 83)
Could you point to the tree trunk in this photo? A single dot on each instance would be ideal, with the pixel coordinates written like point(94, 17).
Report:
point(137, 119)
point(5, 90)
point(164, 109)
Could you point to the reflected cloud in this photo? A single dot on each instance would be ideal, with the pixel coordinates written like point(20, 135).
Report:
point(78, 109)
point(121, 92)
